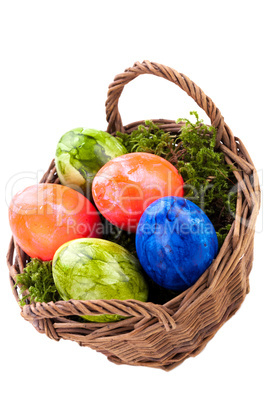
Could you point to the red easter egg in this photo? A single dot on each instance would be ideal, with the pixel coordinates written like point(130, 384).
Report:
point(125, 186)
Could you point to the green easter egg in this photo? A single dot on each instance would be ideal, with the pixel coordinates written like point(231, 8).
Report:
point(81, 153)
point(90, 269)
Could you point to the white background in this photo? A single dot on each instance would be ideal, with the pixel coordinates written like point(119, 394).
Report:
point(57, 60)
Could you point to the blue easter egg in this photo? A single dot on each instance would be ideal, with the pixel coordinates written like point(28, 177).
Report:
point(175, 242)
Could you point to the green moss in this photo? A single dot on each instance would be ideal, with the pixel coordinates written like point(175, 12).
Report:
point(222, 233)
point(150, 138)
point(38, 280)
point(209, 181)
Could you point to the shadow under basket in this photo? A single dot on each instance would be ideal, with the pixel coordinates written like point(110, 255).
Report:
point(154, 335)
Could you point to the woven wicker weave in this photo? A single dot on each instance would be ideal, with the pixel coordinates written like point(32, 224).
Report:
point(162, 336)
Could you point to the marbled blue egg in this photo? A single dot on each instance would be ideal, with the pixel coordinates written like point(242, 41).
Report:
point(175, 242)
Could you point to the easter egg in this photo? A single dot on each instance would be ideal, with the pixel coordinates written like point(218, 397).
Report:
point(125, 186)
point(90, 269)
point(81, 153)
point(175, 242)
point(42, 217)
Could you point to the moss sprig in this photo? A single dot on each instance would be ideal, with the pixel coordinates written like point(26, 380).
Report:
point(37, 280)
point(209, 181)
point(152, 139)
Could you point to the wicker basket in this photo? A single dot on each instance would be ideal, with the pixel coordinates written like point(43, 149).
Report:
point(153, 335)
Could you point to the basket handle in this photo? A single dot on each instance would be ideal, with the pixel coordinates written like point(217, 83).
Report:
point(116, 87)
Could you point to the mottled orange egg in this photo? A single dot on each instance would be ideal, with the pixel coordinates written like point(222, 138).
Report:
point(45, 216)
point(125, 186)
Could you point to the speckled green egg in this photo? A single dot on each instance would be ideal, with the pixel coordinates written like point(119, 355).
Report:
point(81, 153)
point(90, 269)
